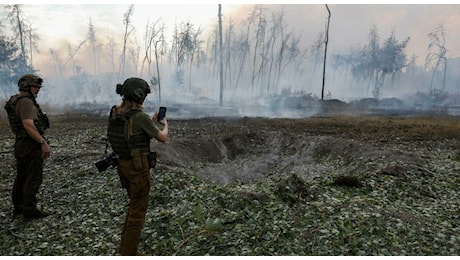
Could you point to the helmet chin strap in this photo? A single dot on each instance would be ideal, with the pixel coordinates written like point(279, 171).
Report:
point(143, 99)
point(146, 93)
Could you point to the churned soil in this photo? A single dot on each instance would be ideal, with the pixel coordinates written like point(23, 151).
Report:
point(245, 150)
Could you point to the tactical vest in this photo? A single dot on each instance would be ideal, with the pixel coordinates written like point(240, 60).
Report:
point(121, 140)
point(15, 121)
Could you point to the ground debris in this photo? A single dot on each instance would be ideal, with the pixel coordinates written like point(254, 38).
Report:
point(275, 187)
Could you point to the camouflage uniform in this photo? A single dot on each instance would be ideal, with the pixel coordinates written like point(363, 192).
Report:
point(129, 135)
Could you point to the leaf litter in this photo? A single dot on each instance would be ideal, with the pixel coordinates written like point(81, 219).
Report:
point(336, 185)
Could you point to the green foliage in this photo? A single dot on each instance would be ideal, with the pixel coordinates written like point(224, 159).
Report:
point(385, 218)
point(8, 62)
point(13, 54)
point(365, 207)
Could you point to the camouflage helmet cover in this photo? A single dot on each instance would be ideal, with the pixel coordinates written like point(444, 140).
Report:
point(28, 80)
point(135, 89)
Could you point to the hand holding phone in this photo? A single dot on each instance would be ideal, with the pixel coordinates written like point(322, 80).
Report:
point(161, 114)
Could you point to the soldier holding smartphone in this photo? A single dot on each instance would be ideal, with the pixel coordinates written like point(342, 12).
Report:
point(130, 131)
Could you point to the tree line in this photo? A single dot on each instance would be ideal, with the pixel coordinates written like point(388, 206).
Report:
point(16, 51)
point(254, 55)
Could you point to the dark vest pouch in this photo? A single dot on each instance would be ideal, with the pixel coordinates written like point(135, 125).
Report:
point(137, 160)
point(152, 158)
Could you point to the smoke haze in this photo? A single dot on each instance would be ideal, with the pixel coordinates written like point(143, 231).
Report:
point(80, 75)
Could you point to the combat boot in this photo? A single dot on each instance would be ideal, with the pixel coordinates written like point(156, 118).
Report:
point(17, 212)
point(36, 214)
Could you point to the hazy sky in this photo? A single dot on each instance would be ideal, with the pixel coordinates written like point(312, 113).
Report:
point(59, 24)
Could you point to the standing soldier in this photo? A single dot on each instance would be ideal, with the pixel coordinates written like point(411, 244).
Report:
point(31, 148)
point(130, 131)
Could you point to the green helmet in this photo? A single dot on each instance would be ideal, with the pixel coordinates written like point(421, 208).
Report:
point(28, 80)
point(135, 89)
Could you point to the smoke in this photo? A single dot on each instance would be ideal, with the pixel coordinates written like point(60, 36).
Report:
point(79, 75)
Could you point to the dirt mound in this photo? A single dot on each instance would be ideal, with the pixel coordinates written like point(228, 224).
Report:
point(249, 155)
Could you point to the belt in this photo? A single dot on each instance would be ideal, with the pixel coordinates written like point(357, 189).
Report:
point(130, 157)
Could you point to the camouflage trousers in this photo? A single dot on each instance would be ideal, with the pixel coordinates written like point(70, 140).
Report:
point(29, 176)
point(137, 184)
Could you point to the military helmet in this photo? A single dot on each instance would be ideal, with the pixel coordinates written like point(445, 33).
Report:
point(135, 89)
point(28, 80)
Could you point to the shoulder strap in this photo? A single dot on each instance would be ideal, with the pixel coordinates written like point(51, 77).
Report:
point(14, 99)
point(129, 123)
point(107, 137)
point(28, 96)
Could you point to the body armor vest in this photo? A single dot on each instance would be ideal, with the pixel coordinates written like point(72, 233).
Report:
point(15, 121)
point(121, 138)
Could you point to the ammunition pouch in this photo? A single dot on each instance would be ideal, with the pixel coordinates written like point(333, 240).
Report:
point(42, 123)
point(137, 159)
point(46, 120)
point(152, 159)
point(39, 127)
point(142, 160)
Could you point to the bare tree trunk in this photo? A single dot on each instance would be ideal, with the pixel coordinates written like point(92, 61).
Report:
point(72, 54)
point(30, 47)
point(228, 75)
point(193, 51)
point(243, 59)
point(254, 59)
point(325, 51)
point(92, 39)
point(20, 32)
point(158, 70)
point(221, 61)
point(445, 74)
point(281, 54)
point(134, 56)
point(190, 70)
point(127, 22)
point(112, 53)
point(147, 47)
point(246, 47)
point(57, 62)
point(276, 29)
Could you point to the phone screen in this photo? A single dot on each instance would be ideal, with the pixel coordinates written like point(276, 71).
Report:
point(161, 113)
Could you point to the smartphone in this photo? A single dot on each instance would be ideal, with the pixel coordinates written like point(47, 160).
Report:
point(161, 114)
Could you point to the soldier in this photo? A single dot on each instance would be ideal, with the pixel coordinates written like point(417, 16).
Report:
point(31, 148)
point(130, 131)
